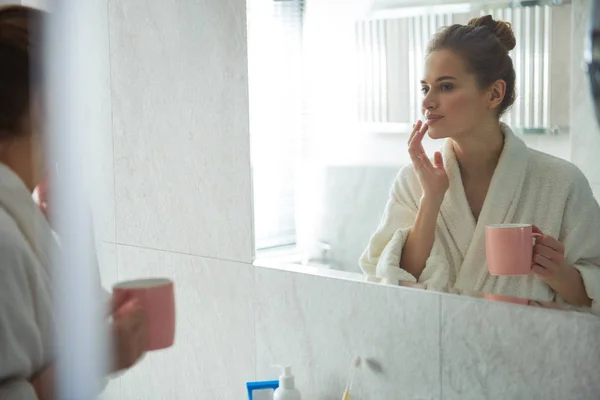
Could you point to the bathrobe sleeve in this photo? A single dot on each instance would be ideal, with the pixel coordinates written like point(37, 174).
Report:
point(580, 234)
point(21, 342)
point(382, 256)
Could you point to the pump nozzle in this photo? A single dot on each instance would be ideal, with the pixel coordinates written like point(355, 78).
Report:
point(286, 379)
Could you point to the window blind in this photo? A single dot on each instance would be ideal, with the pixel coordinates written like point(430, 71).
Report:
point(274, 70)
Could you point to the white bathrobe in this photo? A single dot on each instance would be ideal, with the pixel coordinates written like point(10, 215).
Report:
point(27, 247)
point(527, 187)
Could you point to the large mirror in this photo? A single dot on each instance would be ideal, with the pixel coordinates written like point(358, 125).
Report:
point(334, 96)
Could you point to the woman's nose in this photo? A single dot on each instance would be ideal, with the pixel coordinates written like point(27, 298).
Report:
point(428, 102)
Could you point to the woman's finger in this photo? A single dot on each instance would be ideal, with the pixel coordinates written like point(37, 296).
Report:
point(416, 153)
point(426, 162)
point(416, 141)
point(540, 271)
point(548, 252)
point(547, 240)
point(417, 161)
point(421, 134)
point(416, 128)
point(438, 160)
point(128, 311)
point(136, 321)
point(544, 262)
point(551, 242)
point(415, 149)
point(119, 299)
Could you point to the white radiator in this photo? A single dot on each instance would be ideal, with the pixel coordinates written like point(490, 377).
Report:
point(372, 71)
point(380, 42)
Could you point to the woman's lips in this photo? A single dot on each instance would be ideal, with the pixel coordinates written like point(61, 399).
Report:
point(433, 119)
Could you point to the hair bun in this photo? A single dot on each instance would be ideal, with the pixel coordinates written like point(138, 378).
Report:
point(19, 26)
point(501, 29)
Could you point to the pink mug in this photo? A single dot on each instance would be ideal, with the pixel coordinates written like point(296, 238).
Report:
point(505, 299)
point(509, 248)
point(157, 298)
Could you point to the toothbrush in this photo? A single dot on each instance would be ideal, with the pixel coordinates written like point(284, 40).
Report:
point(355, 365)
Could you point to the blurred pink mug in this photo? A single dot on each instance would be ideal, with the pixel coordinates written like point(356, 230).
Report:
point(509, 248)
point(505, 299)
point(157, 298)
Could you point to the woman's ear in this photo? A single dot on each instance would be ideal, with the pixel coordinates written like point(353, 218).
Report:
point(496, 94)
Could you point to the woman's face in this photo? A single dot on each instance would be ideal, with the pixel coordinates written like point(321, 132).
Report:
point(24, 153)
point(453, 104)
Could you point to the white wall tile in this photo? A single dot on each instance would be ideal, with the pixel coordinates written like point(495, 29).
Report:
point(180, 114)
point(107, 262)
point(112, 390)
point(214, 351)
point(319, 325)
point(501, 351)
point(100, 119)
point(103, 198)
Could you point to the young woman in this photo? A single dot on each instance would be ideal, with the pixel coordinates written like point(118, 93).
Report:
point(433, 228)
point(26, 239)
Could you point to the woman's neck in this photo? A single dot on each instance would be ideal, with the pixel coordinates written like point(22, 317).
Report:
point(478, 152)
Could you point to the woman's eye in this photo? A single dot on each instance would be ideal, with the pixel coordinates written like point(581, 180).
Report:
point(424, 90)
point(445, 87)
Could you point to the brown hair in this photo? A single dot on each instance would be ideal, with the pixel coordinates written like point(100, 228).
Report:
point(19, 69)
point(484, 45)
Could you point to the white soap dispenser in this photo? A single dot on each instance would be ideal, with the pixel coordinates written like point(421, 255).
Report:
point(287, 389)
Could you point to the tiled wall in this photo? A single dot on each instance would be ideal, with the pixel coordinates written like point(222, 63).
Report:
point(181, 182)
point(420, 345)
point(182, 209)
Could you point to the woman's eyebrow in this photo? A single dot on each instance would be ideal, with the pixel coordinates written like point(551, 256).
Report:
point(442, 78)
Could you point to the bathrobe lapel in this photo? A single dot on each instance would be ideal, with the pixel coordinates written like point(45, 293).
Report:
point(455, 211)
point(499, 207)
point(16, 199)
